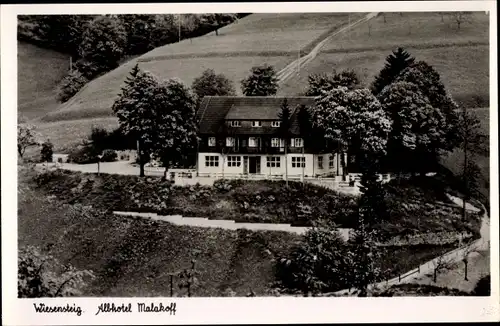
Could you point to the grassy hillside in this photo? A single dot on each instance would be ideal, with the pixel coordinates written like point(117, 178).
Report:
point(39, 72)
point(461, 57)
point(253, 40)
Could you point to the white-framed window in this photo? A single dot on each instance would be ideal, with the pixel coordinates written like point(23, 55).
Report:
point(320, 162)
point(275, 142)
point(233, 161)
point(253, 141)
point(235, 123)
point(230, 141)
point(256, 123)
point(298, 162)
point(211, 161)
point(297, 142)
point(211, 141)
point(275, 124)
point(331, 162)
point(273, 161)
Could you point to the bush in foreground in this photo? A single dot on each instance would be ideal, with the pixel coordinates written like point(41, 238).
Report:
point(319, 263)
point(40, 275)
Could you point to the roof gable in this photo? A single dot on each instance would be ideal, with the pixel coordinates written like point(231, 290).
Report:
point(214, 110)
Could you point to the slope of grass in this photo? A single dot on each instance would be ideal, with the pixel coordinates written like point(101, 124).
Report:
point(257, 34)
point(96, 98)
point(68, 133)
point(39, 72)
point(461, 57)
point(269, 38)
point(464, 70)
point(412, 29)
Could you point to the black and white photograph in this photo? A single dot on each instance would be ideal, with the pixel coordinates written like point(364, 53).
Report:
point(267, 154)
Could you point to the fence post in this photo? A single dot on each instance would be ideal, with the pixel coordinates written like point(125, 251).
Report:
point(419, 269)
point(399, 276)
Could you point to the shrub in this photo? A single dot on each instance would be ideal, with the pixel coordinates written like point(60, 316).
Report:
point(319, 263)
point(47, 151)
point(70, 85)
point(84, 155)
point(40, 275)
point(109, 155)
point(152, 194)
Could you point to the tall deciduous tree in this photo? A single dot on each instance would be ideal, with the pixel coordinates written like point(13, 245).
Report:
point(285, 116)
point(472, 142)
point(418, 129)
point(135, 114)
point(429, 83)
point(103, 42)
point(212, 84)
point(26, 137)
point(159, 114)
point(319, 83)
point(261, 82)
point(354, 118)
point(394, 65)
point(176, 133)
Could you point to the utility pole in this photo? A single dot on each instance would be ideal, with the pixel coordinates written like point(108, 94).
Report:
point(179, 24)
point(298, 59)
point(465, 135)
point(349, 26)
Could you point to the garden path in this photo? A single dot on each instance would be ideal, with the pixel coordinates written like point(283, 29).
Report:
point(226, 224)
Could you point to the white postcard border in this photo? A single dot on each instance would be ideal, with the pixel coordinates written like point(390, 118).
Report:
point(232, 310)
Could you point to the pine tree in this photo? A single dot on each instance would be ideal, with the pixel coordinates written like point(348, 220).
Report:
point(395, 63)
point(364, 243)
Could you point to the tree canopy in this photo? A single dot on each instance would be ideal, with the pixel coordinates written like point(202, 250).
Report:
point(319, 83)
point(261, 82)
point(212, 84)
point(353, 117)
point(160, 115)
point(103, 42)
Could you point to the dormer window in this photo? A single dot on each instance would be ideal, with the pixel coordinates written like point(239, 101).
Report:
point(276, 124)
point(234, 123)
point(211, 141)
point(230, 141)
point(256, 123)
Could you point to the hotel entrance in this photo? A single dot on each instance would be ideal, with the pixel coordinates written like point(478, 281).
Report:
point(251, 164)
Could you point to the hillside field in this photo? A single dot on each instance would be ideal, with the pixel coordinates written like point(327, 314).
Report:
point(234, 52)
point(39, 72)
point(460, 57)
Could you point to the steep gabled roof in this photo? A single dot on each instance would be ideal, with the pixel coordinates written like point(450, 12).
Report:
point(214, 110)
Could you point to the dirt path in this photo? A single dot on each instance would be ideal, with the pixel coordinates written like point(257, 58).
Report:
point(287, 72)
